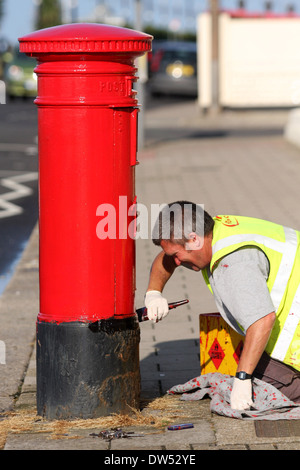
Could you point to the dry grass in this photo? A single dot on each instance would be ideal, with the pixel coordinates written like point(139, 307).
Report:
point(156, 414)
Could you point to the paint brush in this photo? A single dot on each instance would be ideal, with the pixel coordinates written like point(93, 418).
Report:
point(142, 312)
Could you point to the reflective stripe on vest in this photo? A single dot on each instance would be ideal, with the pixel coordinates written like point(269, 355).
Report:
point(285, 336)
point(287, 333)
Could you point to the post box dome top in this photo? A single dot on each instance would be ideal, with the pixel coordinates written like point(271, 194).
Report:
point(85, 37)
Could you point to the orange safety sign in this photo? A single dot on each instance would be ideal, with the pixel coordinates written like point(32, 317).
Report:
point(220, 345)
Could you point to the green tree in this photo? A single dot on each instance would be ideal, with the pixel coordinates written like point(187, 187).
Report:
point(49, 14)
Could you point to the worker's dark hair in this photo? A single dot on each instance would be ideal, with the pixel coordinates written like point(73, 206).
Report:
point(178, 219)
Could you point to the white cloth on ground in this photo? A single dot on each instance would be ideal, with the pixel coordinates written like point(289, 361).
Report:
point(269, 402)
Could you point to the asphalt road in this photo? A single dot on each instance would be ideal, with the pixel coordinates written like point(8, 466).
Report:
point(18, 182)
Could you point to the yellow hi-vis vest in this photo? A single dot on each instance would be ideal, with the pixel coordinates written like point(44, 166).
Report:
point(281, 245)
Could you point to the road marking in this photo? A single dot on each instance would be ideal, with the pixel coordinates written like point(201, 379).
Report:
point(29, 149)
point(18, 190)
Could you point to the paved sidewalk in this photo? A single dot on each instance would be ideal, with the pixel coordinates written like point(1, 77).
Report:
point(233, 163)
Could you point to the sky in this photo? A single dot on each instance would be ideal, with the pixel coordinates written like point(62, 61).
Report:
point(19, 15)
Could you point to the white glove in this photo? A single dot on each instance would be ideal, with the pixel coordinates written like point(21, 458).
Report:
point(157, 305)
point(241, 395)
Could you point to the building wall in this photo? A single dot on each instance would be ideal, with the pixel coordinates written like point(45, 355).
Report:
point(259, 61)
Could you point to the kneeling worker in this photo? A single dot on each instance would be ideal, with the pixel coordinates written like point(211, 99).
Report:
point(252, 267)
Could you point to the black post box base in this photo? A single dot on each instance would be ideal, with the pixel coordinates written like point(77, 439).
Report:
point(87, 370)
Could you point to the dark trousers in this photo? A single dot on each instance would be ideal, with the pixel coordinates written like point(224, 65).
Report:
point(284, 378)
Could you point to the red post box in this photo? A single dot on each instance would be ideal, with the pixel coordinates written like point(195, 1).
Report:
point(87, 330)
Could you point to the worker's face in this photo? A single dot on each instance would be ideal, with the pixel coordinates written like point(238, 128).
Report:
point(195, 255)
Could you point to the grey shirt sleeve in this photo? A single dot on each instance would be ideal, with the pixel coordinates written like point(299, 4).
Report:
point(240, 288)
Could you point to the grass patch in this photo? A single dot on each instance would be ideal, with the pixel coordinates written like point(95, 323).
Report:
point(155, 415)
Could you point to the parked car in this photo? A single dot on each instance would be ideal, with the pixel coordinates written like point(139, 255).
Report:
point(19, 76)
point(173, 69)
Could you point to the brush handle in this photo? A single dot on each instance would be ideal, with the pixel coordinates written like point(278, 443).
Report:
point(142, 312)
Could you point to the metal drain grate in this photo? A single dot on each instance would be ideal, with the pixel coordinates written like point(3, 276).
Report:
point(280, 428)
